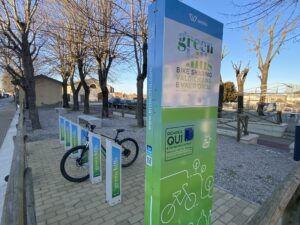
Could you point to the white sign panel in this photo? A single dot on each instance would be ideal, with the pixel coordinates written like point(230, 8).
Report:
point(192, 74)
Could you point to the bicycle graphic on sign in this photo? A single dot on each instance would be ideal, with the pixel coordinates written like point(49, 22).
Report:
point(183, 198)
point(189, 200)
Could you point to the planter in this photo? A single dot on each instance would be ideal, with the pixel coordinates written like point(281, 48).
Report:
point(60, 110)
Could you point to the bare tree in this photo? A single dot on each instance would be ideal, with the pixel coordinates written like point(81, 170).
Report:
point(139, 34)
point(241, 76)
point(274, 43)
point(58, 55)
point(18, 30)
point(104, 43)
point(251, 12)
point(105, 37)
point(77, 37)
point(66, 65)
point(61, 47)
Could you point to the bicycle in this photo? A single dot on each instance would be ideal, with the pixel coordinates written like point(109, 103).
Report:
point(74, 163)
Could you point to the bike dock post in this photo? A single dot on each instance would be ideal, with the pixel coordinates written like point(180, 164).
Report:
point(95, 170)
point(113, 173)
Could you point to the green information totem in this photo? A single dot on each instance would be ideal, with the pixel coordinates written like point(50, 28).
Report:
point(183, 81)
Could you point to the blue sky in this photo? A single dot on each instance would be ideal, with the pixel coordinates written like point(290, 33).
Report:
point(284, 69)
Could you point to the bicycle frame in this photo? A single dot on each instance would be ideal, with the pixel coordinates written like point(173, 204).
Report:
point(103, 149)
point(177, 194)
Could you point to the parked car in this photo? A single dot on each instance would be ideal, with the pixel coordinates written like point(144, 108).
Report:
point(131, 104)
point(4, 95)
point(117, 103)
point(114, 102)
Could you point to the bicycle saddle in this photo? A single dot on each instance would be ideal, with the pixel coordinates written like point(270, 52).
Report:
point(93, 127)
point(120, 130)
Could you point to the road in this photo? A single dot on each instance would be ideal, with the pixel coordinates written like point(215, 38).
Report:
point(7, 111)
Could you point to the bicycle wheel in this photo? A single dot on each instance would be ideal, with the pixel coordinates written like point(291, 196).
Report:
point(167, 213)
point(130, 151)
point(74, 164)
point(190, 201)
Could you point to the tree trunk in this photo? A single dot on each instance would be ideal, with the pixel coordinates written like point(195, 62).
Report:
point(263, 93)
point(140, 102)
point(26, 99)
point(30, 84)
point(104, 89)
point(240, 103)
point(105, 112)
point(75, 101)
point(75, 92)
point(140, 85)
point(65, 94)
point(220, 101)
point(33, 111)
point(86, 88)
point(240, 97)
point(86, 103)
point(86, 109)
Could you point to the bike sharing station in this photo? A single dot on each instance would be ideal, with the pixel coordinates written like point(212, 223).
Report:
point(183, 81)
point(72, 135)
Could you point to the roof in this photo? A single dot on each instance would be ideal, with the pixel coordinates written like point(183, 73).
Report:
point(41, 76)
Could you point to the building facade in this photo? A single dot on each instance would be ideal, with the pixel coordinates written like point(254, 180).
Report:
point(48, 91)
point(95, 91)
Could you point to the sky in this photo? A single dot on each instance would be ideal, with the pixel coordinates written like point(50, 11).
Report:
point(284, 69)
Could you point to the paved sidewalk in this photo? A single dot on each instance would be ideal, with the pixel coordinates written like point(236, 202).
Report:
point(59, 202)
point(6, 155)
point(7, 112)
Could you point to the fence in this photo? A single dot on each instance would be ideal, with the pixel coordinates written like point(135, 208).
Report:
point(18, 206)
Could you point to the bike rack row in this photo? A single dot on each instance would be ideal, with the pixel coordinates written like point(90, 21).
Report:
point(72, 135)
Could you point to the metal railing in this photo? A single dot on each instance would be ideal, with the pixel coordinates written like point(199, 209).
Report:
point(238, 122)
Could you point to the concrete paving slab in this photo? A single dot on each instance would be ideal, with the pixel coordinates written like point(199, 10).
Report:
point(59, 201)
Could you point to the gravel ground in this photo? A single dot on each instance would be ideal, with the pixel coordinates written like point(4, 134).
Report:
point(249, 171)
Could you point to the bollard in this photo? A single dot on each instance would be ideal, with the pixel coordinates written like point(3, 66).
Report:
point(279, 117)
point(297, 144)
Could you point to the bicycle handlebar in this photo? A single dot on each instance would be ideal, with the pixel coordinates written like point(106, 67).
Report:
point(92, 127)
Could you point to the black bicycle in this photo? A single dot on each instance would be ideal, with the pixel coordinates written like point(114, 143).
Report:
point(74, 163)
